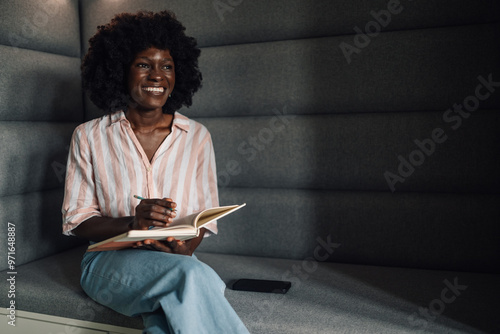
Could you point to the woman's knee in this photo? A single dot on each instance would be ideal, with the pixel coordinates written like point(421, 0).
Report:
point(191, 266)
point(199, 272)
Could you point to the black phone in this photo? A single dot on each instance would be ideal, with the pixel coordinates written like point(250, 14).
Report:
point(259, 285)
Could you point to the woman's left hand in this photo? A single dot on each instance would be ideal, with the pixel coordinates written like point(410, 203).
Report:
point(171, 245)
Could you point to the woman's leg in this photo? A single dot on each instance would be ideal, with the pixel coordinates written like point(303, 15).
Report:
point(156, 323)
point(140, 282)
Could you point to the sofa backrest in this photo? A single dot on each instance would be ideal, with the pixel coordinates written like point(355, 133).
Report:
point(337, 122)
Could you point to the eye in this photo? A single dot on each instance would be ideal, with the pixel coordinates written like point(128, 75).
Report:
point(167, 67)
point(142, 65)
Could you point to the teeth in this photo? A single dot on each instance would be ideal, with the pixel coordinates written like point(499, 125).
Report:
point(153, 89)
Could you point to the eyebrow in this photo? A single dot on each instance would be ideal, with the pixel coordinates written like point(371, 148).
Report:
point(164, 59)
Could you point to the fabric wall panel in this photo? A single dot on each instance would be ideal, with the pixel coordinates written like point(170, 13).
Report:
point(47, 25)
point(39, 86)
point(354, 152)
point(38, 223)
point(398, 71)
point(433, 231)
point(33, 155)
point(224, 22)
point(40, 90)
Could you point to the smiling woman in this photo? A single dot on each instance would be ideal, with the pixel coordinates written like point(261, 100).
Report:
point(140, 69)
point(117, 44)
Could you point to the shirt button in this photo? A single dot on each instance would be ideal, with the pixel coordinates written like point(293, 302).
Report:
point(149, 169)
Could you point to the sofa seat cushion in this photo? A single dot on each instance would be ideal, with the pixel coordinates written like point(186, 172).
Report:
point(346, 298)
point(324, 297)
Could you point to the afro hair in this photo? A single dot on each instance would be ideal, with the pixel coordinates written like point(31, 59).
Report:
point(115, 45)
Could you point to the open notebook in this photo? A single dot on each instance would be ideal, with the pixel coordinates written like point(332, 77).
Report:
point(182, 228)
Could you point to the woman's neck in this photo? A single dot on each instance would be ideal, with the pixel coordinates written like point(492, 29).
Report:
point(148, 121)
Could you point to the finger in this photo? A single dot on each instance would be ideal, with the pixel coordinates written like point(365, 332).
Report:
point(141, 245)
point(163, 215)
point(157, 206)
point(148, 218)
point(158, 246)
point(156, 212)
point(164, 202)
point(177, 246)
point(171, 242)
point(164, 207)
point(170, 203)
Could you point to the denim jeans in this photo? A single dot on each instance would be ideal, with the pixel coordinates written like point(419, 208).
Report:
point(173, 293)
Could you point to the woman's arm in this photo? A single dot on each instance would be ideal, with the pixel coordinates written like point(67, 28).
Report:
point(149, 212)
point(101, 228)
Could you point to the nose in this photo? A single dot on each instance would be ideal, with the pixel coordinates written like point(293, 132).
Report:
point(155, 74)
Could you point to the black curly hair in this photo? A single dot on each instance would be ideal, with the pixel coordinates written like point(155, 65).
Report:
point(115, 45)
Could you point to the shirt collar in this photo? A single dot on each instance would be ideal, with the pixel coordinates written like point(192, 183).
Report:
point(180, 121)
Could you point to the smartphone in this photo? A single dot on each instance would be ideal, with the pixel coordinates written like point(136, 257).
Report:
point(259, 285)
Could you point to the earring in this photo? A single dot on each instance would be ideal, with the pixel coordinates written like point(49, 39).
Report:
point(169, 95)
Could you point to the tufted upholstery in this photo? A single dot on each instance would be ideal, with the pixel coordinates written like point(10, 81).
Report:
point(314, 127)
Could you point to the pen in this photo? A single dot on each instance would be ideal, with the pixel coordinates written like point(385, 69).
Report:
point(141, 198)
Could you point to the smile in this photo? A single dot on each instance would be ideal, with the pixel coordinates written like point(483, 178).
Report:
point(154, 89)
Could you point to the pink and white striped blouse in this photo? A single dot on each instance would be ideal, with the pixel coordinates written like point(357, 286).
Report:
point(107, 166)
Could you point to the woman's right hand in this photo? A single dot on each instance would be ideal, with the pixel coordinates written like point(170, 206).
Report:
point(153, 212)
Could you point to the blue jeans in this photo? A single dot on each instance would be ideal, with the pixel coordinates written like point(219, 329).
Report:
point(173, 293)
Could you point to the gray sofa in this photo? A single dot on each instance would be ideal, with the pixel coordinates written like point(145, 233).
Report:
point(363, 136)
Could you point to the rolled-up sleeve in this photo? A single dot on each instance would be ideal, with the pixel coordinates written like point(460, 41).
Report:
point(80, 199)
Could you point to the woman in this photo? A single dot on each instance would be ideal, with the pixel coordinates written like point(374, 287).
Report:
point(140, 69)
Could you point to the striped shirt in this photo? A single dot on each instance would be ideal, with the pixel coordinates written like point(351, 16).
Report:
point(107, 166)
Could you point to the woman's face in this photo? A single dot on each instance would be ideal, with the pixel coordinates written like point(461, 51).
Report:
point(151, 78)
